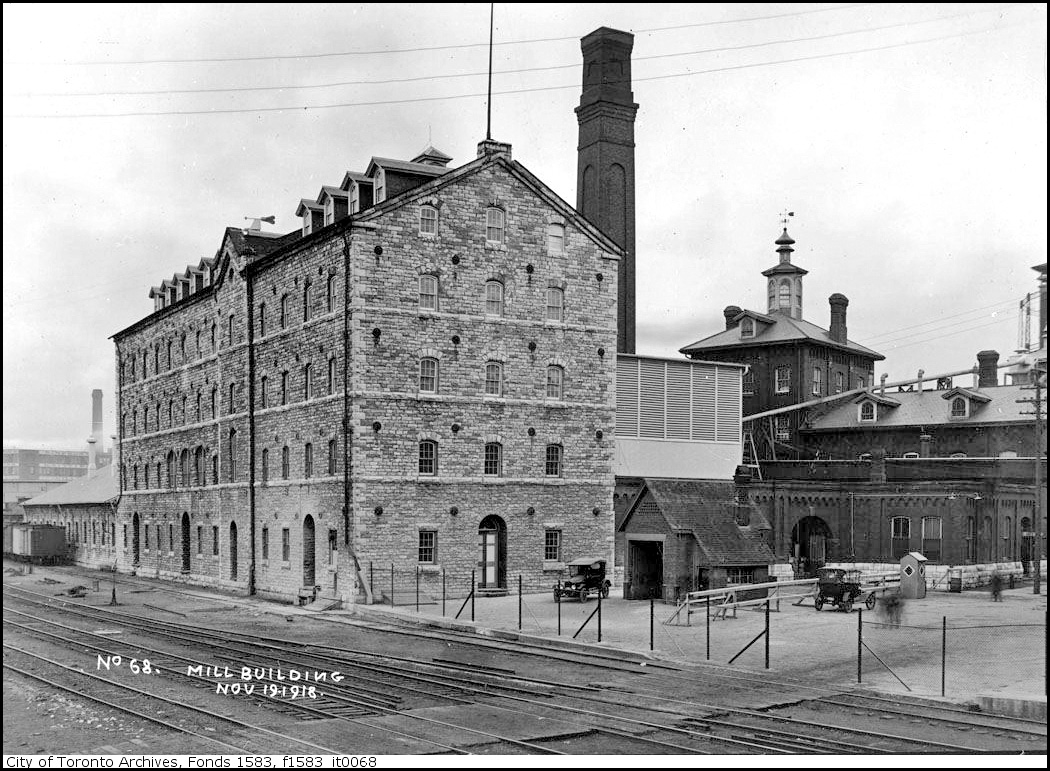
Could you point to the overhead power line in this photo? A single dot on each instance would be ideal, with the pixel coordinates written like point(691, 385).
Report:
point(379, 102)
point(420, 49)
point(891, 335)
point(952, 334)
point(574, 65)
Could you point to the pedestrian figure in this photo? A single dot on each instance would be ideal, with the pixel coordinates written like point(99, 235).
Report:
point(891, 609)
point(997, 587)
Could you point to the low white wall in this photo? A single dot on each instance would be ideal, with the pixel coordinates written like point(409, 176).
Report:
point(937, 575)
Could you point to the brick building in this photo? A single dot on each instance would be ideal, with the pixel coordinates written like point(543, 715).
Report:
point(789, 359)
point(396, 386)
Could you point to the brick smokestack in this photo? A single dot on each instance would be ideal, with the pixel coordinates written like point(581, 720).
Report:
point(838, 304)
point(731, 312)
point(605, 158)
point(987, 369)
point(96, 418)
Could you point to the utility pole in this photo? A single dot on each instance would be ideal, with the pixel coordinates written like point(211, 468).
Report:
point(1038, 384)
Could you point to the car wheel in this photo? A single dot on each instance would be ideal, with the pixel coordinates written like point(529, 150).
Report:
point(605, 592)
point(583, 595)
point(818, 603)
point(870, 602)
point(847, 605)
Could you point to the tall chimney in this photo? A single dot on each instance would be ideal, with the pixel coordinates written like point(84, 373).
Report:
point(731, 312)
point(605, 158)
point(96, 416)
point(838, 304)
point(987, 369)
point(882, 384)
point(92, 454)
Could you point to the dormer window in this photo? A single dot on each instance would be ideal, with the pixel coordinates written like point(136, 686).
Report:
point(867, 412)
point(960, 407)
point(747, 327)
point(355, 201)
point(380, 185)
point(307, 222)
point(329, 211)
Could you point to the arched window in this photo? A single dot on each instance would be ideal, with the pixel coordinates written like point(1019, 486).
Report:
point(197, 353)
point(555, 382)
point(284, 312)
point(215, 469)
point(428, 292)
point(308, 381)
point(145, 476)
point(867, 411)
point(265, 465)
point(184, 416)
point(171, 413)
point(555, 304)
point(182, 348)
point(494, 221)
point(145, 418)
point(263, 388)
point(172, 472)
point(428, 375)
point(232, 332)
point(232, 403)
point(493, 459)
point(428, 458)
point(185, 469)
point(494, 297)
point(199, 413)
point(428, 220)
point(214, 402)
point(214, 332)
point(171, 357)
point(553, 464)
point(307, 287)
point(784, 294)
point(284, 387)
point(308, 460)
point(747, 327)
point(959, 407)
point(198, 467)
point(262, 319)
point(232, 451)
point(555, 238)
point(286, 462)
point(333, 462)
point(332, 375)
point(330, 293)
point(493, 379)
point(135, 477)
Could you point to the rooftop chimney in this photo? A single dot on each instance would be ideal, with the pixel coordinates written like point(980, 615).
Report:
point(605, 158)
point(987, 369)
point(882, 384)
point(731, 312)
point(838, 304)
point(919, 379)
point(492, 147)
point(96, 416)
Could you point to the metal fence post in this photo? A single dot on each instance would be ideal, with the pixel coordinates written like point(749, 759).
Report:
point(652, 614)
point(944, 653)
point(519, 602)
point(860, 641)
point(767, 633)
point(599, 616)
point(442, 592)
point(417, 588)
point(371, 579)
point(558, 598)
point(707, 612)
point(473, 583)
point(391, 584)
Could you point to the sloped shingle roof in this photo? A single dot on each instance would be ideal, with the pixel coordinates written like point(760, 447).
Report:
point(98, 486)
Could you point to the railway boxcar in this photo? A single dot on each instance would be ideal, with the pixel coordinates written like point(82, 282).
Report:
point(8, 539)
point(42, 544)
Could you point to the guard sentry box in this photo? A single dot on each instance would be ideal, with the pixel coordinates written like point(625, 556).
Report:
point(913, 576)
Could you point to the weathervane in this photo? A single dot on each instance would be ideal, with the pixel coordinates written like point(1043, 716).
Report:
point(784, 217)
point(258, 221)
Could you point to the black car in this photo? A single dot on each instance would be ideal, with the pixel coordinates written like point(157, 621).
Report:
point(586, 577)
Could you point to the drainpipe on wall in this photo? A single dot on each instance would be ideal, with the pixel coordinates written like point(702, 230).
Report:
point(249, 293)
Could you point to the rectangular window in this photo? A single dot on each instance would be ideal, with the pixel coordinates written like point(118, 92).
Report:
point(215, 540)
point(333, 541)
point(782, 379)
point(266, 543)
point(428, 293)
point(428, 375)
point(428, 220)
point(286, 544)
point(749, 383)
point(740, 575)
point(125, 536)
point(493, 379)
point(901, 536)
point(200, 539)
point(494, 226)
point(840, 382)
point(816, 381)
point(428, 458)
point(145, 532)
point(493, 459)
point(552, 545)
point(308, 460)
point(332, 449)
point(555, 304)
point(428, 546)
point(783, 428)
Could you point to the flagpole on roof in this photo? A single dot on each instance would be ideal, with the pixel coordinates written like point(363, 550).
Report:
point(488, 124)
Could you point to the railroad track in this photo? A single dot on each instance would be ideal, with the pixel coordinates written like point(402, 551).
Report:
point(684, 727)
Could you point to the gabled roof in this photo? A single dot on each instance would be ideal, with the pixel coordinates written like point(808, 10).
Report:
point(872, 396)
point(927, 408)
point(357, 177)
point(522, 174)
point(706, 509)
point(305, 205)
point(432, 153)
point(421, 169)
point(970, 394)
point(328, 191)
point(780, 328)
point(98, 486)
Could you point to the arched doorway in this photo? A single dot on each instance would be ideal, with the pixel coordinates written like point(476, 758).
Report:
point(809, 543)
point(233, 551)
point(309, 552)
point(185, 542)
point(135, 538)
point(492, 537)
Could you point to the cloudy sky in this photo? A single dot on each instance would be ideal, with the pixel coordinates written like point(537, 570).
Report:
point(909, 140)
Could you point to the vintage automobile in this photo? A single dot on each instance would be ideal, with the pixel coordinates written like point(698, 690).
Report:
point(586, 577)
point(840, 587)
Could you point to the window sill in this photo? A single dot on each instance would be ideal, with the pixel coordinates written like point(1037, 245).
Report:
point(429, 567)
